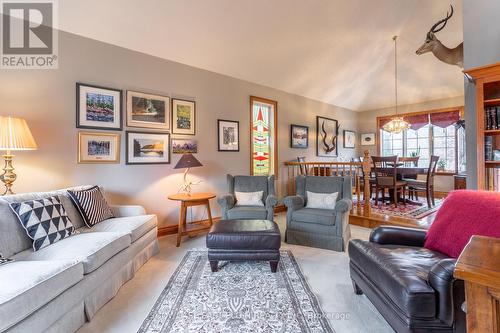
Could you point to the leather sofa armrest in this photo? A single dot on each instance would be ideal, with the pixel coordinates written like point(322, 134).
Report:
point(398, 236)
point(343, 205)
point(441, 279)
point(127, 210)
point(293, 202)
point(226, 201)
point(271, 201)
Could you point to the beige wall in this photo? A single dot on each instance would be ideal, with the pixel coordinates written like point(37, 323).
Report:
point(47, 99)
point(367, 123)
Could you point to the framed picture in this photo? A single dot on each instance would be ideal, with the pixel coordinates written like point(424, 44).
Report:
point(349, 139)
point(183, 117)
point(98, 147)
point(327, 131)
point(98, 107)
point(299, 136)
point(184, 146)
point(148, 148)
point(368, 139)
point(228, 132)
point(148, 111)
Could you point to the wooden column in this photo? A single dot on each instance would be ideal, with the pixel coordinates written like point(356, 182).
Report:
point(479, 267)
point(367, 168)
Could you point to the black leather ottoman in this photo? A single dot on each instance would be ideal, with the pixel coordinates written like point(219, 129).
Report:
point(242, 240)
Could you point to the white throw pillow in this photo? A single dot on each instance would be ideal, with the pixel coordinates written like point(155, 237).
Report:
point(321, 200)
point(249, 198)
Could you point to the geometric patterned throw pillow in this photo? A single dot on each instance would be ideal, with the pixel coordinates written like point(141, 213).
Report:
point(45, 221)
point(91, 205)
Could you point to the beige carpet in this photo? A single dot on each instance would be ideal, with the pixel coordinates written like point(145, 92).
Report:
point(327, 272)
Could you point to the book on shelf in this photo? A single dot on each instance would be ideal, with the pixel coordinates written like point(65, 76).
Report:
point(493, 179)
point(492, 118)
point(488, 148)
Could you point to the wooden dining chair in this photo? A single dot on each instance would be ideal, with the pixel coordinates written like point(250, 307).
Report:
point(388, 180)
point(303, 169)
point(426, 185)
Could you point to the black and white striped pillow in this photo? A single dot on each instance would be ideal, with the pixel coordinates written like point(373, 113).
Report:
point(92, 205)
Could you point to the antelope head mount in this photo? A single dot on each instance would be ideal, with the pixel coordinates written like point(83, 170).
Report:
point(453, 56)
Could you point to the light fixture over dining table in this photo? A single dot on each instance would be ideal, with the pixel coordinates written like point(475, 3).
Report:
point(397, 124)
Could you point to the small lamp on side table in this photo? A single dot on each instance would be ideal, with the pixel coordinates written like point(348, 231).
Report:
point(187, 161)
point(14, 135)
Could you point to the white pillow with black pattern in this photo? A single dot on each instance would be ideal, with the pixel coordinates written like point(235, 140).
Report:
point(45, 220)
point(91, 204)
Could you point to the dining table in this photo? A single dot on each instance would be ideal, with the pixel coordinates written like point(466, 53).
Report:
point(403, 171)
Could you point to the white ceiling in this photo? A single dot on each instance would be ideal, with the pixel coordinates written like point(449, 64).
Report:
point(336, 51)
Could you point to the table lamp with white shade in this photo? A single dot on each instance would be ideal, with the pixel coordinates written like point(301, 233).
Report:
point(14, 135)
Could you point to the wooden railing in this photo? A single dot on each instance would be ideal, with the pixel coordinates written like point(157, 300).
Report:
point(355, 170)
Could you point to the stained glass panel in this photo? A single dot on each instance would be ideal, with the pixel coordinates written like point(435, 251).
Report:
point(262, 138)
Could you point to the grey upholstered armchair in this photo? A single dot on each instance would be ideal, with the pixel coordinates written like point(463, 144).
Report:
point(249, 184)
point(323, 228)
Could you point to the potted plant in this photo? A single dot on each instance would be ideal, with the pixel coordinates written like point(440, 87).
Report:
point(441, 165)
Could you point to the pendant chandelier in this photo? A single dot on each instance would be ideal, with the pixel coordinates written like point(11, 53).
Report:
point(396, 124)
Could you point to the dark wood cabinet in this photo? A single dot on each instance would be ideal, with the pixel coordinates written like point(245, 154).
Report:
point(460, 182)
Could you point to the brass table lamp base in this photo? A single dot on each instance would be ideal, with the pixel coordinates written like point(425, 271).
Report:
point(8, 177)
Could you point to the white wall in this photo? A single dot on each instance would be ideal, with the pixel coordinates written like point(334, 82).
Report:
point(47, 99)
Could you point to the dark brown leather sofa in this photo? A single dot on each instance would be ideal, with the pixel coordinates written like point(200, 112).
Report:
point(411, 286)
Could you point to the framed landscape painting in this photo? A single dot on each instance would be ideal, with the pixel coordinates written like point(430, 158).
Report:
point(184, 146)
point(148, 111)
point(183, 117)
point(228, 133)
point(349, 139)
point(327, 131)
point(98, 147)
point(98, 107)
point(299, 136)
point(148, 148)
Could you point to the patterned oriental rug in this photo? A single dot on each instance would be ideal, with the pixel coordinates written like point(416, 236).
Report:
point(409, 210)
point(241, 297)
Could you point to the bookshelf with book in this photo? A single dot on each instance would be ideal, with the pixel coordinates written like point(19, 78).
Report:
point(487, 83)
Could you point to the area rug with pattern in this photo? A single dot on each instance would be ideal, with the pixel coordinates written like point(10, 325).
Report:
point(241, 297)
point(416, 210)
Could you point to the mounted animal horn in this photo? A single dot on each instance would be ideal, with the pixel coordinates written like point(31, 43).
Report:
point(435, 28)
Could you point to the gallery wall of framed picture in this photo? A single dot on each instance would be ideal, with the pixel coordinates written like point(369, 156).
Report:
point(299, 136)
point(101, 108)
point(349, 139)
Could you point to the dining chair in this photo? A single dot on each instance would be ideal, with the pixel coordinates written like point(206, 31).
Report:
point(388, 180)
point(303, 169)
point(427, 185)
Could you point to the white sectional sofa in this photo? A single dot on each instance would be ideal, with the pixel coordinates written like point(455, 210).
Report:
point(60, 287)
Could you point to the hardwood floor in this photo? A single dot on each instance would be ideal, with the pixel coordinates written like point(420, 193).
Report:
point(376, 220)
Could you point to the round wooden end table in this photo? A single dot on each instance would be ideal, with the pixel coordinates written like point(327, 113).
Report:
point(188, 200)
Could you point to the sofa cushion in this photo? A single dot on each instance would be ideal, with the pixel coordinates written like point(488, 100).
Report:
point(401, 272)
point(314, 215)
point(45, 221)
point(93, 249)
point(321, 200)
point(136, 226)
point(247, 212)
point(91, 204)
point(28, 285)
point(13, 238)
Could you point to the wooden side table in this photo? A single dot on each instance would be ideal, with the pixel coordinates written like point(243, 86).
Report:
point(188, 200)
point(479, 266)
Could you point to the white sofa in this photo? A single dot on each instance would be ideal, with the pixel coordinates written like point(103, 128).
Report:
point(60, 287)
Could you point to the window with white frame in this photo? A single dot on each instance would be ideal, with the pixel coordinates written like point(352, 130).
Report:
point(426, 141)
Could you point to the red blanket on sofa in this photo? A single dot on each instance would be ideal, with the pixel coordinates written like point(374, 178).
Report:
point(464, 213)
